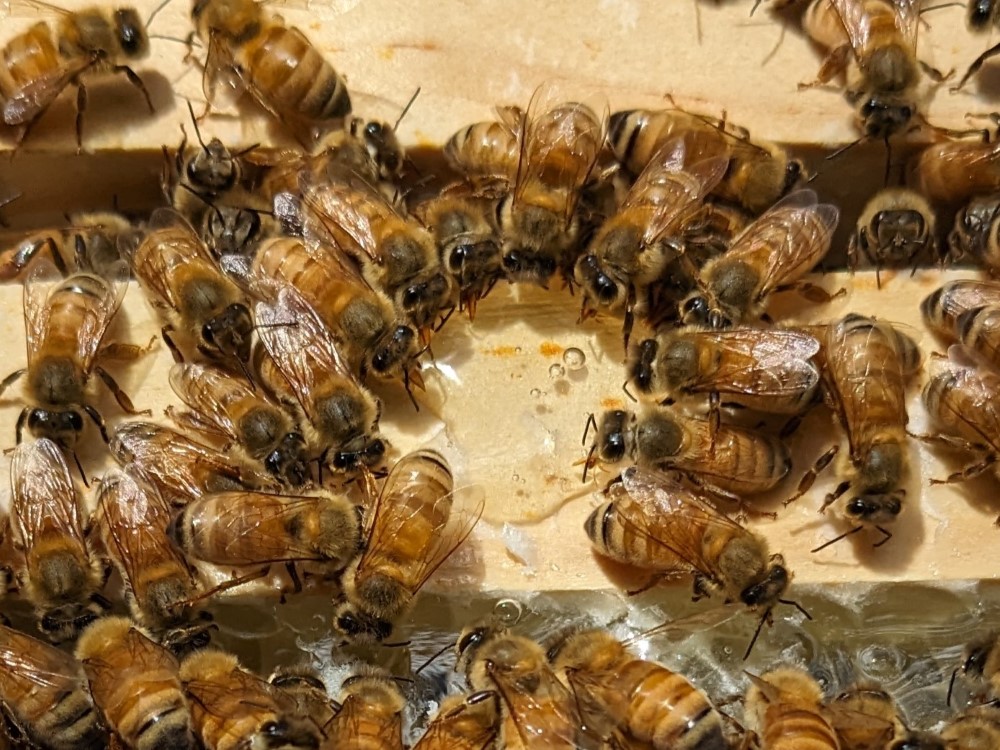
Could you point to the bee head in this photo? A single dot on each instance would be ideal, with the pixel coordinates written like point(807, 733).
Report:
point(641, 368)
point(130, 32)
point(230, 231)
point(883, 116)
point(61, 427)
point(599, 285)
point(527, 266)
point(766, 591)
point(899, 233)
point(473, 262)
point(977, 654)
point(612, 441)
point(471, 640)
point(383, 146)
point(288, 460)
point(794, 170)
point(284, 733)
point(230, 332)
point(371, 454)
point(213, 167)
point(67, 621)
point(355, 626)
point(875, 508)
point(393, 351)
point(695, 310)
point(422, 300)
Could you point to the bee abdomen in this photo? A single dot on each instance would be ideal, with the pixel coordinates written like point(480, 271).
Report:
point(797, 729)
point(72, 723)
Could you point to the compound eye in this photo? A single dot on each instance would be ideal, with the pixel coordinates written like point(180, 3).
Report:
point(208, 333)
point(75, 421)
point(373, 129)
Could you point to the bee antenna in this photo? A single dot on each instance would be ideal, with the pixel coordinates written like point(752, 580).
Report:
point(939, 7)
point(203, 198)
point(79, 466)
point(628, 392)
point(434, 658)
point(760, 625)
point(888, 160)
point(844, 149)
point(398, 644)
point(951, 686)
point(799, 607)
point(197, 130)
point(589, 461)
point(156, 12)
point(836, 539)
point(409, 389)
point(406, 108)
point(591, 420)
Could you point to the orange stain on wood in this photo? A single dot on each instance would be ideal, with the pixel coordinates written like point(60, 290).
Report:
point(612, 403)
point(549, 349)
point(503, 351)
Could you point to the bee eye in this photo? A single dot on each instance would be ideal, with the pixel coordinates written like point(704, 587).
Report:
point(373, 129)
point(471, 639)
point(906, 112)
point(208, 333)
point(75, 421)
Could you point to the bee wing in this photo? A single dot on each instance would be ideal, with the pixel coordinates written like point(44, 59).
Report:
point(205, 391)
point(857, 21)
point(96, 322)
point(512, 117)
point(983, 415)
point(179, 245)
point(37, 287)
point(344, 210)
point(793, 236)
point(345, 729)
point(43, 665)
point(257, 519)
point(25, 104)
point(300, 344)
point(43, 495)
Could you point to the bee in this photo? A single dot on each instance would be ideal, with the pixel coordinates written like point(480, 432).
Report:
point(538, 708)
point(255, 528)
point(225, 406)
point(276, 64)
point(784, 707)
point(306, 694)
point(956, 171)
point(232, 709)
point(633, 247)
point(771, 254)
point(732, 462)
point(766, 369)
point(183, 282)
point(131, 522)
point(414, 527)
point(757, 174)
point(42, 61)
point(652, 523)
point(65, 321)
point(896, 227)
point(874, 43)
point(465, 722)
point(136, 686)
point(62, 577)
point(342, 416)
point(982, 14)
point(943, 307)
point(179, 468)
point(396, 254)
point(976, 233)
point(489, 150)
point(866, 717)
point(647, 702)
point(45, 695)
point(371, 713)
point(981, 663)
point(976, 728)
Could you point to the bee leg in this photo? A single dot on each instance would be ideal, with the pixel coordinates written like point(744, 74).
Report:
point(650, 582)
point(933, 73)
point(137, 82)
point(806, 483)
point(832, 497)
point(294, 575)
point(887, 535)
point(834, 64)
point(120, 352)
point(120, 396)
point(11, 379)
point(98, 420)
point(19, 427)
point(629, 315)
point(950, 441)
point(977, 64)
point(81, 106)
point(174, 351)
point(973, 470)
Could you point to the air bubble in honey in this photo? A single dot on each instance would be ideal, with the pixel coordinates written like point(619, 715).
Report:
point(574, 358)
point(508, 611)
point(556, 371)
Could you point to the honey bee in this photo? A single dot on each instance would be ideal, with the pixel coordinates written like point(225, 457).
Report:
point(232, 709)
point(766, 369)
point(647, 702)
point(42, 61)
point(65, 321)
point(465, 722)
point(62, 578)
point(179, 468)
point(255, 528)
point(306, 693)
point(866, 717)
point(371, 713)
point(982, 14)
point(896, 227)
point(633, 247)
point(414, 527)
point(274, 63)
point(135, 684)
point(976, 233)
point(955, 171)
point(45, 695)
point(784, 707)
point(538, 709)
point(362, 320)
point(396, 254)
point(757, 175)
point(655, 524)
point(225, 406)
point(943, 307)
point(732, 462)
point(771, 254)
point(131, 522)
point(183, 282)
point(981, 663)
point(489, 150)
point(976, 728)
point(342, 416)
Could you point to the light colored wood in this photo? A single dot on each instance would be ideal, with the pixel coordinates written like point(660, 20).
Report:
point(512, 427)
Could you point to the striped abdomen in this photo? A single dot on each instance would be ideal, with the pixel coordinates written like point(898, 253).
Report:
point(27, 58)
point(741, 461)
point(942, 307)
point(790, 728)
point(979, 329)
point(490, 149)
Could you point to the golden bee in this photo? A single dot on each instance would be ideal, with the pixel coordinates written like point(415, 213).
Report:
point(866, 367)
point(65, 321)
point(538, 709)
point(224, 406)
point(489, 150)
point(136, 686)
point(633, 247)
point(976, 233)
point(865, 716)
point(131, 523)
point(276, 64)
point(733, 462)
point(302, 688)
point(873, 43)
point(41, 62)
point(757, 175)
point(896, 228)
point(465, 722)
point(62, 578)
point(371, 713)
point(652, 523)
point(45, 694)
point(254, 528)
point(640, 698)
point(183, 282)
point(341, 415)
point(943, 307)
point(395, 253)
point(179, 468)
point(955, 171)
point(784, 707)
point(765, 369)
point(771, 254)
point(232, 709)
point(976, 728)
point(413, 527)
point(980, 17)
point(364, 323)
